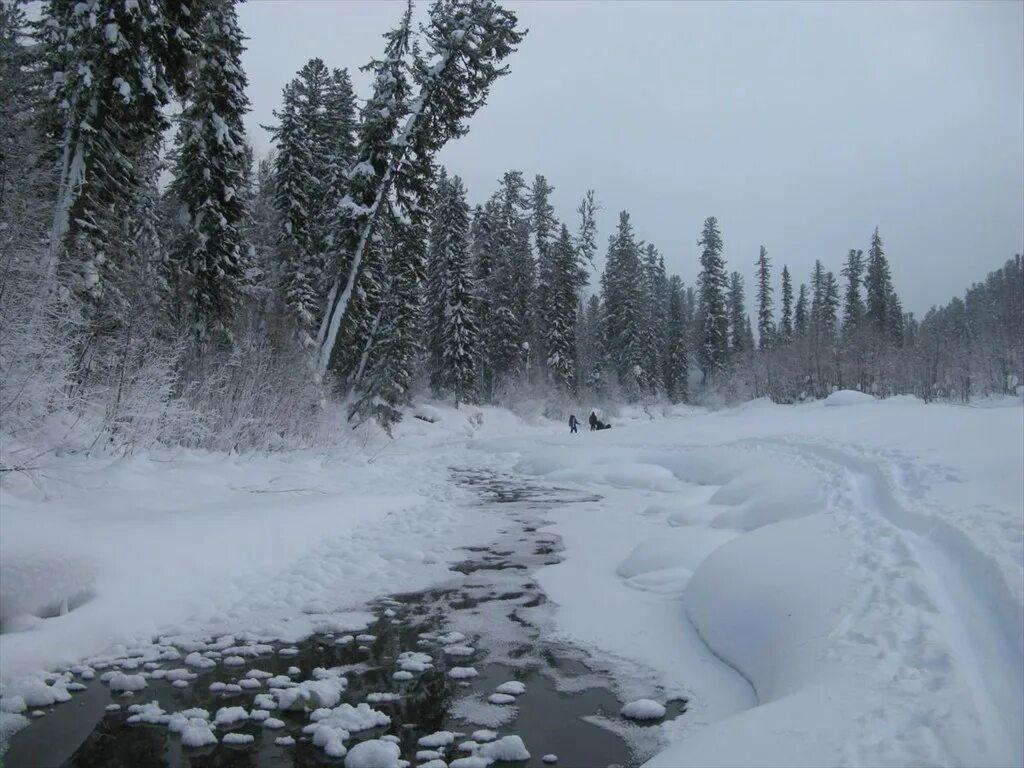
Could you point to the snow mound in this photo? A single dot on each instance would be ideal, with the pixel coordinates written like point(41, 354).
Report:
point(462, 673)
point(437, 739)
point(848, 397)
point(507, 748)
point(768, 615)
point(501, 699)
point(375, 753)
point(643, 709)
point(42, 584)
point(312, 694)
point(197, 734)
point(238, 739)
point(119, 681)
point(512, 688)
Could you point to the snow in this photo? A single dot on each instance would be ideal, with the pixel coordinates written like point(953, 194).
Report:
point(512, 688)
point(375, 753)
point(507, 748)
point(822, 584)
point(844, 397)
point(197, 734)
point(643, 709)
point(122, 682)
point(284, 741)
point(230, 715)
point(549, 759)
point(437, 739)
point(501, 699)
point(238, 739)
point(483, 735)
point(462, 673)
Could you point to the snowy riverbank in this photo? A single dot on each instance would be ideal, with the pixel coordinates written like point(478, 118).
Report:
point(857, 568)
point(825, 583)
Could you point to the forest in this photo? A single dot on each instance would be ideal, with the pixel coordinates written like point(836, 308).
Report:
point(159, 284)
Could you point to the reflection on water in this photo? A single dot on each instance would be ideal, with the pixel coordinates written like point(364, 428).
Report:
point(494, 601)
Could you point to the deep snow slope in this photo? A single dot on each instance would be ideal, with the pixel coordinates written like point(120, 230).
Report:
point(831, 583)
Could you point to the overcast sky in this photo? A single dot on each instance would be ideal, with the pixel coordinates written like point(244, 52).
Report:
point(801, 126)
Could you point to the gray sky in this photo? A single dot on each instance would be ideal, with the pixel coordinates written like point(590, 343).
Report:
point(799, 125)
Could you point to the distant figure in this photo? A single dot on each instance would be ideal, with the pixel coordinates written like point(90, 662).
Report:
point(602, 425)
point(593, 421)
point(573, 423)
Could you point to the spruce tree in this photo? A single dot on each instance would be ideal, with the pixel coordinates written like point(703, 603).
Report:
point(545, 230)
point(656, 297)
point(676, 350)
point(853, 304)
point(879, 286)
point(625, 309)
point(765, 324)
point(560, 338)
point(714, 341)
point(800, 314)
point(786, 321)
point(211, 175)
point(114, 65)
point(737, 314)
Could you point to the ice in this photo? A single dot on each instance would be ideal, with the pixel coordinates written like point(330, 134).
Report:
point(238, 739)
point(450, 638)
point(374, 753)
point(197, 734)
point(512, 688)
point(507, 748)
point(643, 709)
point(501, 698)
point(462, 673)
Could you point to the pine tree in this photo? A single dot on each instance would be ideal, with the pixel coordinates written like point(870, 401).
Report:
point(800, 314)
point(561, 326)
point(544, 226)
point(714, 344)
point(737, 314)
point(765, 324)
point(853, 305)
point(211, 176)
point(114, 66)
point(452, 332)
point(676, 351)
point(592, 355)
point(879, 286)
point(654, 331)
point(625, 309)
point(786, 323)
point(467, 39)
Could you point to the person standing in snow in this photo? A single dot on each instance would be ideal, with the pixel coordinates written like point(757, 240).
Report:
point(573, 423)
point(593, 421)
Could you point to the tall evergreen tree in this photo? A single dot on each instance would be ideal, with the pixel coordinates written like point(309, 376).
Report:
point(561, 323)
point(879, 286)
point(211, 177)
point(545, 230)
point(765, 323)
point(714, 343)
point(654, 331)
point(853, 304)
point(800, 313)
point(467, 40)
point(786, 321)
point(623, 287)
point(737, 314)
point(676, 351)
point(114, 66)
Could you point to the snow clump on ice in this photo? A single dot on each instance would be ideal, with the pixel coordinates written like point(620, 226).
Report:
point(643, 709)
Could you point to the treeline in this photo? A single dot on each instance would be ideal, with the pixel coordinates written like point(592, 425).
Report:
point(229, 307)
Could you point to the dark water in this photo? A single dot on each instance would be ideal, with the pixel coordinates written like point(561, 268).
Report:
point(493, 601)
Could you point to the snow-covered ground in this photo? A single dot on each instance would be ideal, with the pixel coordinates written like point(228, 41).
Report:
point(830, 583)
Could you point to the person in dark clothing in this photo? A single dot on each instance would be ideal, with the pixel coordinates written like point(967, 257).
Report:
point(593, 421)
point(573, 423)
